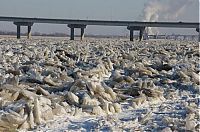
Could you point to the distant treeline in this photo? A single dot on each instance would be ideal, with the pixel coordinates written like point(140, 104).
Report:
point(34, 34)
point(58, 34)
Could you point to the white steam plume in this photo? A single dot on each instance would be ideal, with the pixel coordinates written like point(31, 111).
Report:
point(164, 10)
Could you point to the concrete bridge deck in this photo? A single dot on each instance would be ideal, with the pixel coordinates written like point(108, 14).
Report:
point(73, 23)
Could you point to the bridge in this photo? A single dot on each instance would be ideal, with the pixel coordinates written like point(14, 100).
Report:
point(82, 24)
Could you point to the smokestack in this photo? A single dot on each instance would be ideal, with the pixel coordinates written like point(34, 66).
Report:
point(164, 10)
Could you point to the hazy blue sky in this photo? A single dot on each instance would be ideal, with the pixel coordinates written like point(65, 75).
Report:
point(80, 9)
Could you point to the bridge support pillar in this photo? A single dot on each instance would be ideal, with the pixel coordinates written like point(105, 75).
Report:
point(19, 24)
point(29, 32)
point(131, 34)
point(72, 34)
point(82, 33)
point(141, 33)
point(73, 26)
point(18, 31)
point(198, 34)
point(132, 29)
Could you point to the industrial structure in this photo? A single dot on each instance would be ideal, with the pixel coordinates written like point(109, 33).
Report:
point(82, 24)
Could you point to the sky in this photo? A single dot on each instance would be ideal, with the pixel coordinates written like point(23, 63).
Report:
point(88, 9)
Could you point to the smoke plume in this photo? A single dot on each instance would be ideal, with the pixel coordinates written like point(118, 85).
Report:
point(164, 10)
